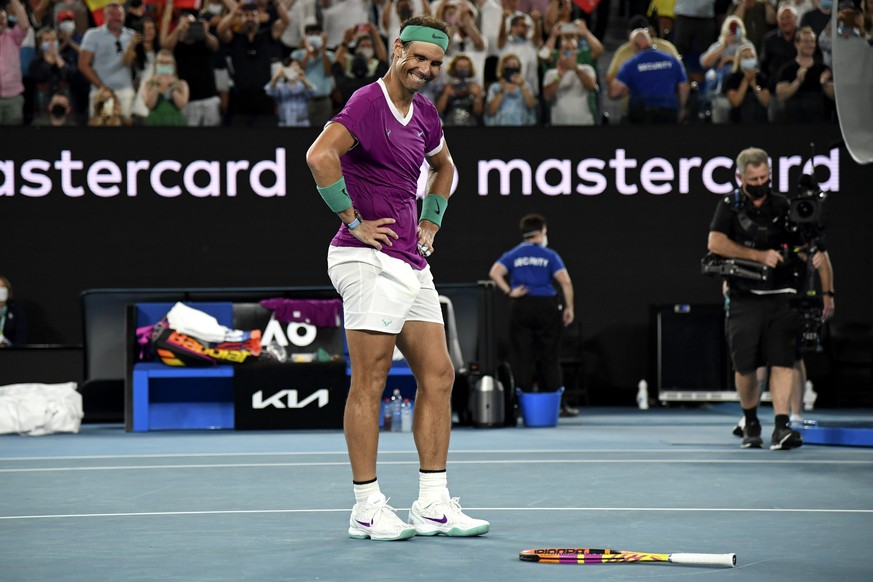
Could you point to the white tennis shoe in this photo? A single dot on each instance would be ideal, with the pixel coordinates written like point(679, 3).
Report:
point(375, 519)
point(445, 518)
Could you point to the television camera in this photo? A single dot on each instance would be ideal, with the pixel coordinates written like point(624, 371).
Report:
point(806, 217)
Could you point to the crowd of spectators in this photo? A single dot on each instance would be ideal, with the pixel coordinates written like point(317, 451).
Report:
point(294, 63)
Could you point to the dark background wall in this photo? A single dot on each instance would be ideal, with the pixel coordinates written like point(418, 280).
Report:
point(625, 252)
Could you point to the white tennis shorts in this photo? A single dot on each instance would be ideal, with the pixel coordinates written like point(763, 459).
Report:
point(381, 293)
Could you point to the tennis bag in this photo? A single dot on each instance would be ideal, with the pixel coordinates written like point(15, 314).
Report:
point(174, 348)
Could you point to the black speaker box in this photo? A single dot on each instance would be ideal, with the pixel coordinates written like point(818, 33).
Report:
point(692, 348)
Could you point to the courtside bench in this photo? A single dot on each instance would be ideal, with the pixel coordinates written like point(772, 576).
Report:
point(168, 397)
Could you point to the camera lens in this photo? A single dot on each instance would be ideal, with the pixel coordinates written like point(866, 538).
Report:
point(805, 209)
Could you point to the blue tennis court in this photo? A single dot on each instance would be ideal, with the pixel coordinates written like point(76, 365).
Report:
point(109, 505)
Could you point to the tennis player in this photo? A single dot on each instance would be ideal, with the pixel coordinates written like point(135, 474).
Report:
point(366, 163)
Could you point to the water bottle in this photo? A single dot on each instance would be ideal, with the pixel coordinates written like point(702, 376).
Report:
point(643, 395)
point(396, 403)
point(386, 415)
point(809, 396)
point(406, 415)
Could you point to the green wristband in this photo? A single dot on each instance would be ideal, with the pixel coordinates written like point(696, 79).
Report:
point(432, 208)
point(336, 196)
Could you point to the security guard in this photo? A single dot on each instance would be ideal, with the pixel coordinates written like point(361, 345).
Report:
point(537, 315)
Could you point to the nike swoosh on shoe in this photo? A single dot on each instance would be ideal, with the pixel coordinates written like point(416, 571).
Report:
point(443, 519)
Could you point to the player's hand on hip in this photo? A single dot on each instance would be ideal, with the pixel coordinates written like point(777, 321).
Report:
point(426, 233)
point(376, 233)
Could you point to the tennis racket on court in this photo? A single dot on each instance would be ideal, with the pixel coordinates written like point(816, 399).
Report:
point(605, 556)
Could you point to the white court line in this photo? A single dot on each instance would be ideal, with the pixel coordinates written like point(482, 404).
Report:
point(670, 451)
point(344, 510)
point(768, 461)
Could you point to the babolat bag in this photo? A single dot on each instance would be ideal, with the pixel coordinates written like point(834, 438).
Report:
point(175, 348)
point(190, 337)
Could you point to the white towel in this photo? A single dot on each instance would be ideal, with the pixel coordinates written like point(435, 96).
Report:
point(39, 409)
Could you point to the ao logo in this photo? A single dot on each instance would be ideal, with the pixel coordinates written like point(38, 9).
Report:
point(298, 333)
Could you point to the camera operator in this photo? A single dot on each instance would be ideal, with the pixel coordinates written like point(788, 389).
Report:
point(751, 224)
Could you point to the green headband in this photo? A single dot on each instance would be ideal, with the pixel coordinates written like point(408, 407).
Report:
point(425, 34)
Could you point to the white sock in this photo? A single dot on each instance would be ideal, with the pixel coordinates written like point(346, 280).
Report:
point(432, 487)
point(363, 492)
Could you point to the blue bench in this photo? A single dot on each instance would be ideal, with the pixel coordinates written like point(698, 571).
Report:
point(170, 398)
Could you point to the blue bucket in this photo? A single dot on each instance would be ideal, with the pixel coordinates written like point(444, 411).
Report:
point(540, 408)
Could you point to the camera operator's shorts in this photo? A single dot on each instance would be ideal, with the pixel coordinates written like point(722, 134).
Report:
point(379, 292)
point(762, 330)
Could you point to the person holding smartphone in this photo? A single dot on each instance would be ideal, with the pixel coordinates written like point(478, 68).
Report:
point(292, 92)
point(251, 51)
point(166, 95)
point(361, 59)
point(195, 47)
point(510, 100)
point(461, 102)
point(569, 86)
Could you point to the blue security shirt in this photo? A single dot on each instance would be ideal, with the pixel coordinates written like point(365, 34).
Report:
point(652, 76)
point(534, 267)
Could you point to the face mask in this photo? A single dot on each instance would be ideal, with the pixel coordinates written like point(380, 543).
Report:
point(58, 111)
point(520, 38)
point(67, 26)
point(827, 4)
point(214, 9)
point(569, 53)
point(48, 45)
point(314, 41)
point(165, 69)
point(750, 63)
point(366, 52)
point(758, 192)
point(4, 294)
